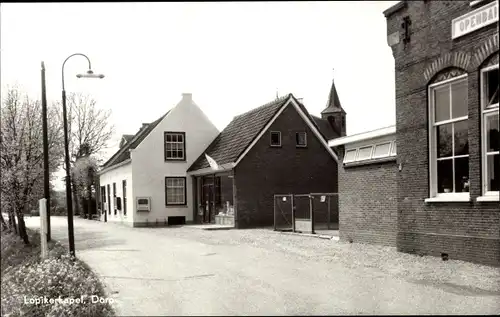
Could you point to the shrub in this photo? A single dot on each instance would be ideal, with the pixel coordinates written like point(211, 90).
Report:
point(59, 277)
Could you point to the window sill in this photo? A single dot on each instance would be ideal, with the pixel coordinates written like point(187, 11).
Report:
point(493, 198)
point(449, 199)
point(370, 161)
point(176, 206)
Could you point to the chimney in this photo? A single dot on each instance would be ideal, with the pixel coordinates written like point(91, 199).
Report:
point(144, 126)
point(187, 96)
point(301, 100)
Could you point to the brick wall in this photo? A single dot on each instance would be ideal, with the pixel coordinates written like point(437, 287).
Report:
point(368, 203)
point(266, 171)
point(466, 231)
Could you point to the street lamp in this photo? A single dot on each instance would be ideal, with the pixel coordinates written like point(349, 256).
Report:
point(69, 202)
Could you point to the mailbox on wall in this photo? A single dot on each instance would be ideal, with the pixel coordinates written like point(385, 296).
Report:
point(143, 203)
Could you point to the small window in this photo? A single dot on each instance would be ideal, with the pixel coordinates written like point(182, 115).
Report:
point(175, 191)
point(393, 149)
point(350, 155)
point(382, 150)
point(491, 88)
point(275, 138)
point(301, 139)
point(175, 146)
point(364, 153)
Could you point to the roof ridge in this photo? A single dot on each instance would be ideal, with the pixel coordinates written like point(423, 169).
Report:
point(270, 103)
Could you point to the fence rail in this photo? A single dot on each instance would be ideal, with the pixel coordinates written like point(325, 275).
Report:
point(306, 212)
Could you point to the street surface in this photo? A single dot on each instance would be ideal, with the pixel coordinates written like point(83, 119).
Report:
point(188, 271)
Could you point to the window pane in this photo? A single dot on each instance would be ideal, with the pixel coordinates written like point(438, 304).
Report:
point(459, 99)
point(491, 87)
point(169, 146)
point(275, 138)
point(445, 176)
point(382, 149)
point(364, 153)
point(442, 103)
point(493, 172)
point(180, 154)
point(394, 148)
point(174, 154)
point(444, 140)
point(462, 174)
point(350, 155)
point(493, 134)
point(461, 138)
point(180, 138)
point(300, 138)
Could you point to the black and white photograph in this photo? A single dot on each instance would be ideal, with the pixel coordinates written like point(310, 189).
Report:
point(250, 158)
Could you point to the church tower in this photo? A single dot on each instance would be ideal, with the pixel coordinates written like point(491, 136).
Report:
point(334, 113)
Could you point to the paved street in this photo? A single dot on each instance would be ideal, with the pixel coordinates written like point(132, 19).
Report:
point(187, 271)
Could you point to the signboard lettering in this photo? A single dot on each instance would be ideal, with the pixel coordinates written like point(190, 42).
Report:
point(474, 20)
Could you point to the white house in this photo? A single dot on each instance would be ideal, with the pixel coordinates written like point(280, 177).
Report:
point(145, 182)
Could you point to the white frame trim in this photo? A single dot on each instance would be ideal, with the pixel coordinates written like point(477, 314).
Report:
point(384, 155)
point(305, 139)
point(476, 2)
point(362, 136)
point(304, 117)
point(355, 155)
point(432, 146)
point(393, 146)
point(364, 147)
point(486, 112)
point(271, 138)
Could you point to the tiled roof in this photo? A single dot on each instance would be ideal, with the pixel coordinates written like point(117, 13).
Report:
point(325, 128)
point(239, 134)
point(123, 154)
point(243, 129)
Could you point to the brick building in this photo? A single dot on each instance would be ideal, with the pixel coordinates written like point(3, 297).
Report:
point(447, 127)
point(368, 186)
point(277, 148)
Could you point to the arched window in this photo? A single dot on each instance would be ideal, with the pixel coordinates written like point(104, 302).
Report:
point(490, 136)
point(448, 136)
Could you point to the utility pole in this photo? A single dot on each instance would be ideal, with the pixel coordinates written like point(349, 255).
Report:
point(46, 180)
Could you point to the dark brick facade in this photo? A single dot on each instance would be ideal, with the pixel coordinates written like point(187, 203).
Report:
point(266, 171)
point(368, 203)
point(466, 231)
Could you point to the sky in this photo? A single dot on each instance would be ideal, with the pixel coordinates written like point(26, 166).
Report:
point(232, 56)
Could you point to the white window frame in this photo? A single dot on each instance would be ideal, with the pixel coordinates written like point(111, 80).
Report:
point(383, 155)
point(394, 149)
point(432, 146)
point(361, 148)
point(355, 155)
point(491, 110)
point(167, 187)
point(271, 138)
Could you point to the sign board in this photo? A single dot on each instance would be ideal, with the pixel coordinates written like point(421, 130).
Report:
point(323, 199)
point(393, 39)
point(474, 20)
point(284, 198)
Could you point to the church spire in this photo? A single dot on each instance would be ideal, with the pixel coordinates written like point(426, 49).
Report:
point(333, 105)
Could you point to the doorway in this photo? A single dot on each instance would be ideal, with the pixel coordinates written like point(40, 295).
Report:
point(210, 198)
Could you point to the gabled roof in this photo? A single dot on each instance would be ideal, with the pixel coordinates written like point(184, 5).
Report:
point(238, 134)
point(325, 128)
point(333, 105)
point(123, 153)
point(241, 132)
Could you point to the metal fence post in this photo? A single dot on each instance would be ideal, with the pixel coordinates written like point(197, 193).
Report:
point(312, 212)
point(274, 204)
point(329, 211)
point(293, 212)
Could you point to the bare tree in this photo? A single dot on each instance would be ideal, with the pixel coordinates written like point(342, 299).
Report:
point(89, 133)
point(21, 154)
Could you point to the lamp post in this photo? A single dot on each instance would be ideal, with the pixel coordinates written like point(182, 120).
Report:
point(69, 202)
point(46, 189)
